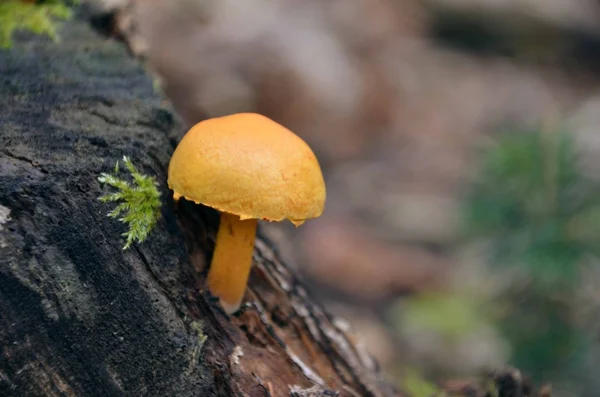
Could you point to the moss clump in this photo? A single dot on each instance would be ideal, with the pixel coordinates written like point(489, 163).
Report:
point(140, 202)
point(36, 16)
point(417, 386)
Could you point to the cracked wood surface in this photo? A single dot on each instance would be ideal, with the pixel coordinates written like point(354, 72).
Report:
point(81, 317)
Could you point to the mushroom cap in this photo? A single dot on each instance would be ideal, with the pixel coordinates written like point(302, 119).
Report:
point(248, 165)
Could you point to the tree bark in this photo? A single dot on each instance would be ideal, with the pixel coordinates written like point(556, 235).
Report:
point(80, 316)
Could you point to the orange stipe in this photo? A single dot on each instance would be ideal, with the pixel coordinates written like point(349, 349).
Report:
point(232, 260)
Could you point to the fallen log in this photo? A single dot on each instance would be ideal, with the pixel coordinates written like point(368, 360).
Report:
point(80, 316)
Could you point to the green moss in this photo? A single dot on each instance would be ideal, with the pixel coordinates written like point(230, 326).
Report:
point(417, 386)
point(37, 17)
point(140, 202)
point(452, 316)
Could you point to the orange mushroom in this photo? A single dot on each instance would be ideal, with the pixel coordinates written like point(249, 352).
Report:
point(248, 167)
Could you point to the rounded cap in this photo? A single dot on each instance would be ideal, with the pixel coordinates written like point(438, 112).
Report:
point(248, 165)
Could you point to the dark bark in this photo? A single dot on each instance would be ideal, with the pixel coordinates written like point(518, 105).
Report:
point(79, 316)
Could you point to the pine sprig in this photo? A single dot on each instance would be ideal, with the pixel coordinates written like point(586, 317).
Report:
point(139, 205)
point(536, 205)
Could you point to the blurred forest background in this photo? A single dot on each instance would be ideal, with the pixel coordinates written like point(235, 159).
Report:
point(458, 139)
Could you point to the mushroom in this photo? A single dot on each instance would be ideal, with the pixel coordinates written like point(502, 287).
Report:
point(247, 167)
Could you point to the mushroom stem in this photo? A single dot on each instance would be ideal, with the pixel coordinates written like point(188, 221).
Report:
point(232, 259)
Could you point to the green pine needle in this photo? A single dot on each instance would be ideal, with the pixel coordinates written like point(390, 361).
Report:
point(139, 205)
point(536, 205)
